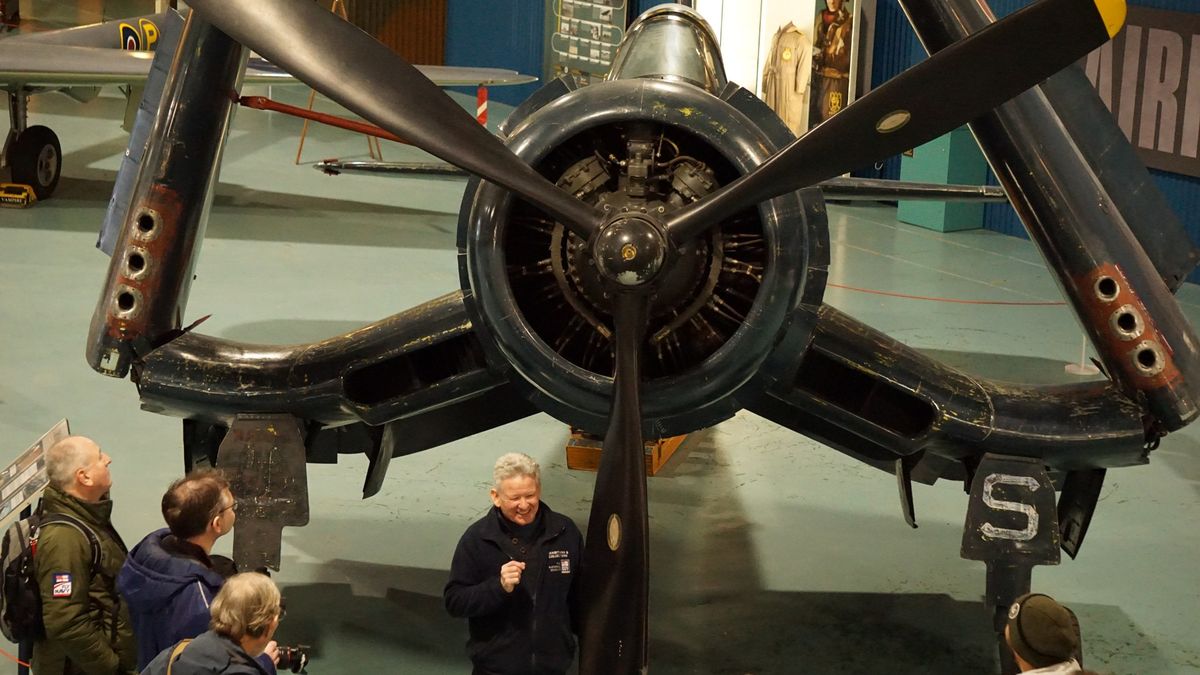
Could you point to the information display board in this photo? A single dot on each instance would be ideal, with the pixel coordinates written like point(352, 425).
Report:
point(22, 482)
point(583, 37)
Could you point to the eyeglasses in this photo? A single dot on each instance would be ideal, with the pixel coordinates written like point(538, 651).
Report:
point(232, 507)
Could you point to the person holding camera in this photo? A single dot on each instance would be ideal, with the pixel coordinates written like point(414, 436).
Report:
point(244, 616)
point(513, 578)
point(170, 578)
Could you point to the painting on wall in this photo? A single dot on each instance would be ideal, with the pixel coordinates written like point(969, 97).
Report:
point(833, 46)
point(807, 59)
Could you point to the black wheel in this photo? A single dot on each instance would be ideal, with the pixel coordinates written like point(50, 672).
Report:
point(36, 160)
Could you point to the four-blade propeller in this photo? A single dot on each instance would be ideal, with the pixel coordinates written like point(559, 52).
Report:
point(951, 88)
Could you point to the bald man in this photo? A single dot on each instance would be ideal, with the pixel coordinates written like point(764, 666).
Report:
point(87, 626)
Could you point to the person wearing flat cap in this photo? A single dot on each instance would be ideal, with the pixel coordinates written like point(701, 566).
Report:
point(1043, 635)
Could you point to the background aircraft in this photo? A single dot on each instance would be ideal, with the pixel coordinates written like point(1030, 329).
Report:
point(653, 231)
point(79, 61)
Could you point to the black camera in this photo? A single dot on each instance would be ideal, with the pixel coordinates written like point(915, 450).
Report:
point(293, 658)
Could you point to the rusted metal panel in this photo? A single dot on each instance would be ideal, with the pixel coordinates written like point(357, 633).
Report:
point(1128, 331)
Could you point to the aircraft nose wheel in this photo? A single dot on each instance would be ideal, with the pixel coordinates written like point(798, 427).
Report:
point(36, 160)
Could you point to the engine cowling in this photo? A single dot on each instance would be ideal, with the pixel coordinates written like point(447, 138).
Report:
point(732, 310)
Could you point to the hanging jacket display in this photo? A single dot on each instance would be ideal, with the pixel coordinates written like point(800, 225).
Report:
point(785, 76)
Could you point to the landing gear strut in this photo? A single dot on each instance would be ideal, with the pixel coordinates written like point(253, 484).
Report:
point(1012, 525)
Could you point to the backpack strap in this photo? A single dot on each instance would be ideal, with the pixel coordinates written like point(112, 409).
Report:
point(176, 652)
point(95, 567)
point(83, 529)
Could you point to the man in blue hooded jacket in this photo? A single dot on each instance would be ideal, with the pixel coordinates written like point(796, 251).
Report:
point(170, 578)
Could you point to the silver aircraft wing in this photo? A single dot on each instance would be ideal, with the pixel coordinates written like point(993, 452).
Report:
point(48, 65)
point(118, 52)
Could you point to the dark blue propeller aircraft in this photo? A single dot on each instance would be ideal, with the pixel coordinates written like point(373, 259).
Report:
point(644, 257)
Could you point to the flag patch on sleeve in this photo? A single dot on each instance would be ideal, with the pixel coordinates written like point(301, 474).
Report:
point(62, 585)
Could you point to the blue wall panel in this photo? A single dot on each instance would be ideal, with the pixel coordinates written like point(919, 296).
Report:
point(497, 34)
point(896, 48)
point(638, 6)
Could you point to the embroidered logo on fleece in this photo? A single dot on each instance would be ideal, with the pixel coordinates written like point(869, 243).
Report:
point(62, 585)
point(560, 562)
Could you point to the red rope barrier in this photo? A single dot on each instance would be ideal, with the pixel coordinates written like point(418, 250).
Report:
point(13, 658)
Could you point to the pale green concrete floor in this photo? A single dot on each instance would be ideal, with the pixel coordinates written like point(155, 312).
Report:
point(771, 553)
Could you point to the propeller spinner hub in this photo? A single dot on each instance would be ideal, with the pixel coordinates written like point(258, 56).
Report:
point(630, 250)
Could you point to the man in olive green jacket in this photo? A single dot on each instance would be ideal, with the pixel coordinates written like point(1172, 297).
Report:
point(87, 626)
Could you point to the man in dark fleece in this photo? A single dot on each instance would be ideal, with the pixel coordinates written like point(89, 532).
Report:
point(245, 615)
point(170, 579)
point(513, 578)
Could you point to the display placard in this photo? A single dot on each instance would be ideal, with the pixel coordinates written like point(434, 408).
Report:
point(585, 36)
point(22, 481)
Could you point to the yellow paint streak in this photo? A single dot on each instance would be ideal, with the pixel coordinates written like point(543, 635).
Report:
point(1112, 13)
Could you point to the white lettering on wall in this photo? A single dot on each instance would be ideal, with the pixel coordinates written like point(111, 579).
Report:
point(1164, 67)
point(1149, 77)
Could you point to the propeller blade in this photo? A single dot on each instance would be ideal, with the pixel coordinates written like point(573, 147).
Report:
point(349, 66)
point(616, 557)
point(945, 91)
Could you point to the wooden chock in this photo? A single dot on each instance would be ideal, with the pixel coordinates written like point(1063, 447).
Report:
point(583, 451)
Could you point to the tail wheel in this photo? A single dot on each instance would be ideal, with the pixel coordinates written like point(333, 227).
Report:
point(36, 160)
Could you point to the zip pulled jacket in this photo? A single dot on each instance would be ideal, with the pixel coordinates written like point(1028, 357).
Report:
point(530, 631)
point(169, 585)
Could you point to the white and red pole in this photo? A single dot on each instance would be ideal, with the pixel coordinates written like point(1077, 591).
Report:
point(481, 98)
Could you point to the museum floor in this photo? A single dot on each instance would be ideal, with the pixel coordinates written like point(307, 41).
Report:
point(770, 552)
